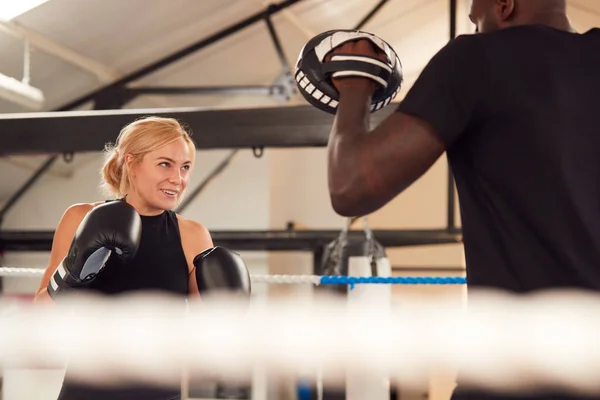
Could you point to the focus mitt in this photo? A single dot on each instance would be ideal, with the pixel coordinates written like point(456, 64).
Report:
point(313, 72)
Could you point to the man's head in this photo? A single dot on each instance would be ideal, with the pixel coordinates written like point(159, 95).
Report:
point(150, 163)
point(491, 15)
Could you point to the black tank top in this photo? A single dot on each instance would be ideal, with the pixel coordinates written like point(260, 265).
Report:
point(158, 266)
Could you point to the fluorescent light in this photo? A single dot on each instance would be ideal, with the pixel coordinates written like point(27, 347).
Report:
point(11, 9)
point(21, 93)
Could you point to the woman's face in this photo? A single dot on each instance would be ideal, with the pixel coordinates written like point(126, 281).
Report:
point(159, 180)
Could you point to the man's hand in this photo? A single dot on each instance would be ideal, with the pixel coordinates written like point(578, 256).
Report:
point(349, 58)
point(361, 47)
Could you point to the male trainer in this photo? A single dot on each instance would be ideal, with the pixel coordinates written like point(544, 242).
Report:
point(516, 109)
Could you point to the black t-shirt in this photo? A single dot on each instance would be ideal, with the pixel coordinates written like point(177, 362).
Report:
point(519, 110)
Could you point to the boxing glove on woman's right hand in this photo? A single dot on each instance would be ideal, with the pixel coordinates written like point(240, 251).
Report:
point(111, 227)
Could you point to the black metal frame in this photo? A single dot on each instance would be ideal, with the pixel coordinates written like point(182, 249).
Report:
point(250, 240)
point(371, 14)
point(76, 132)
point(301, 126)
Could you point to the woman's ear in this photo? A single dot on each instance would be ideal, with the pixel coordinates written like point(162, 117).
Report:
point(128, 164)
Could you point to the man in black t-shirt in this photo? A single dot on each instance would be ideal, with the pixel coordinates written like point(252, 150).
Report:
point(516, 107)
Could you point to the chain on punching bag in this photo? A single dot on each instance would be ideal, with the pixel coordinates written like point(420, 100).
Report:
point(336, 255)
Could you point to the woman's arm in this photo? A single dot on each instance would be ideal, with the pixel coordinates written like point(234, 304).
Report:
point(63, 236)
point(195, 238)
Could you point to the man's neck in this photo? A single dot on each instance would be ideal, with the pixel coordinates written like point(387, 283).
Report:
point(553, 20)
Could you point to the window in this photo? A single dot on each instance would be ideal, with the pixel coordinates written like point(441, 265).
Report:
point(12, 9)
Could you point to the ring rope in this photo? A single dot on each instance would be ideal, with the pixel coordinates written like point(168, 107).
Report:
point(499, 341)
point(20, 272)
point(298, 279)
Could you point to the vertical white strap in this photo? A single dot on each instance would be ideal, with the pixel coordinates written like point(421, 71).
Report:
point(376, 384)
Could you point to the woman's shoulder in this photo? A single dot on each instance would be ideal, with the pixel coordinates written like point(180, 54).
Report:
point(79, 210)
point(195, 237)
point(72, 217)
point(191, 226)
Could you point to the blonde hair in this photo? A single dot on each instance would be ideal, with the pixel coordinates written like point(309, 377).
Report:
point(137, 139)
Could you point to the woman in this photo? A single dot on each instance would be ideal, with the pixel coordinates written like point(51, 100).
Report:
point(149, 168)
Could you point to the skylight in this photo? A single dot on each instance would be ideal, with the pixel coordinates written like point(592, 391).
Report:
point(12, 9)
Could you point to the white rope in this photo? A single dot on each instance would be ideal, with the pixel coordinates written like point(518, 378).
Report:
point(287, 279)
point(509, 343)
point(272, 279)
point(20, 272)
point(296, 279)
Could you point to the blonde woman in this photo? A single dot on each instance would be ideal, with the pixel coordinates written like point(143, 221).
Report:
point(137, 242)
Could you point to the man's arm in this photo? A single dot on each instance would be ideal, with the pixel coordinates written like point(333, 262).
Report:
point(367, 169)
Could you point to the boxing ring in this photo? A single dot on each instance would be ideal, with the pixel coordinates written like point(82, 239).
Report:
point(373, 290)
point(296, 279)
point(361, 341)
point(364, 341)
point(499, 342)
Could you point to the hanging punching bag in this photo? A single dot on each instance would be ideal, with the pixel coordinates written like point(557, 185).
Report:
point(359, 256)
point(368, 258)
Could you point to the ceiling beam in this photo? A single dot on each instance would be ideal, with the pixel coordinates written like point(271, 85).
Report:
point(31, 164)
point(89, 131)
point(177, 55)
point(41, 42)
point(290, 17)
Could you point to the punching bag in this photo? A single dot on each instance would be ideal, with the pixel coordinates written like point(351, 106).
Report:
point(359, 256)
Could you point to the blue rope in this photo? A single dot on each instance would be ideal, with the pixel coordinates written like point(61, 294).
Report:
point(391, 280)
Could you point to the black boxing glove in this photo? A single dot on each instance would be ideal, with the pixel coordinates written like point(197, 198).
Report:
point(107, 228)
point(219, 269)
point(314, 73)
